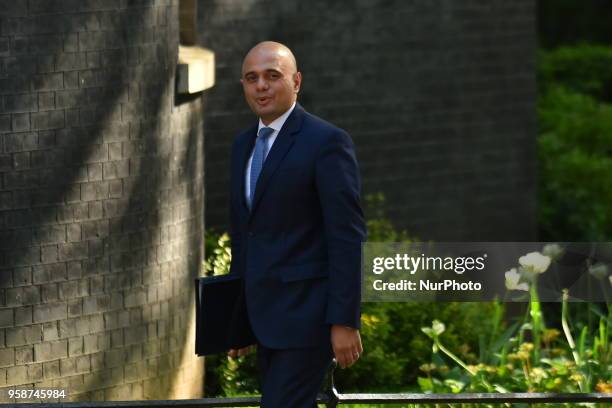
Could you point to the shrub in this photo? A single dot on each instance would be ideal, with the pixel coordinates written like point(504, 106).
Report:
point(528, 357)
point(575, 144)
point(582, 68)
point(575, 153)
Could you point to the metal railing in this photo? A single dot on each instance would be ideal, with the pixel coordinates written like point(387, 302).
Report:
point(331, 398)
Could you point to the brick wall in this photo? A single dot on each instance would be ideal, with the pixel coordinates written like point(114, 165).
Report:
point(439, 97)
point(101, 196)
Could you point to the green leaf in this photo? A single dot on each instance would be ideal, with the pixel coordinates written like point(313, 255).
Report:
point(500, 388)
point(425, 384)
point(454, 385)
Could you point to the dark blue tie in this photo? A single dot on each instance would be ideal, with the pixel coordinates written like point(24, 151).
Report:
point(258, 159)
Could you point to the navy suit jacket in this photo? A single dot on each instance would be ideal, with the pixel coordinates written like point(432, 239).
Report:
point(299, 247)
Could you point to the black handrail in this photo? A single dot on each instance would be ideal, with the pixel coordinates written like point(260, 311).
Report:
point(331, 398)
point(337, 399)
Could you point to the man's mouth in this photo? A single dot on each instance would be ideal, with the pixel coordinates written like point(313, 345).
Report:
point(263, 100)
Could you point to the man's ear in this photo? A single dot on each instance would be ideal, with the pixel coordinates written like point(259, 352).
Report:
point(297, 81)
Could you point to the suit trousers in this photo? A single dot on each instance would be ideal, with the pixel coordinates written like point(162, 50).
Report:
point(292, 378)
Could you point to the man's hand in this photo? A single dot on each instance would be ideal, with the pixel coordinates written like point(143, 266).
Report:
point(346, 343)
point(233, 353)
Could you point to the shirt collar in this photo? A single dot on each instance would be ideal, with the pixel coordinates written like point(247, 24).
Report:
point(277, 123)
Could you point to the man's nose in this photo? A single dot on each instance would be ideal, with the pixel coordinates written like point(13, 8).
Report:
point(262, 84)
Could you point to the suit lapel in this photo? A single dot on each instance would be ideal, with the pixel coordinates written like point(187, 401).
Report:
point(279, 149)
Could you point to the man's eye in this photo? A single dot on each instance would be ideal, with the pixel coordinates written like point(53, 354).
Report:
point(250, 79)
point(274, 75)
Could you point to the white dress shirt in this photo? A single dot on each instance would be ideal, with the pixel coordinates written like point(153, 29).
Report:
point(276, 124)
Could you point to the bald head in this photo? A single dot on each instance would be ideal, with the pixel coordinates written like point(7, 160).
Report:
point(270, 80)
point(272, 49)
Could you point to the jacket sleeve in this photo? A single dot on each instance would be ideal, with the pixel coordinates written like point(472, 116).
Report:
point(338, 185)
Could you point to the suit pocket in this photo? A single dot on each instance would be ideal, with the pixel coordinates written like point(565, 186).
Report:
point(310, 270)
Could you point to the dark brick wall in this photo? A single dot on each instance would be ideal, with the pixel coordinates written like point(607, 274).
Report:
point(439, 97)
point(101, 196)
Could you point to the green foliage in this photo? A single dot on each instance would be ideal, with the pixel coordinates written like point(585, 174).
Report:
point(218, 253)
point(584, 69)
point(379, 226)
point(553, 362)
point(575, 155)
point(575, 144)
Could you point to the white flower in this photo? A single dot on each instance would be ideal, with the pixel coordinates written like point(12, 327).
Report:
point(554, 251)
point(599, 271)
point(535, 262)
point(512, 281)
point(436, 329)
point(527, 274)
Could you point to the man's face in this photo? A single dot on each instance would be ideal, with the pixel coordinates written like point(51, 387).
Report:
point(270, 82)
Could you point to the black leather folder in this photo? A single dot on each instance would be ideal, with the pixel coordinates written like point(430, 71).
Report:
point(222, 322)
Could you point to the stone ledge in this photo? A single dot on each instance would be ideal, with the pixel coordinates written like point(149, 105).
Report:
point(196, 69)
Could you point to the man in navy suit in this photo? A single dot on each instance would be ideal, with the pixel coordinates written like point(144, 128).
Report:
point(297, 228)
